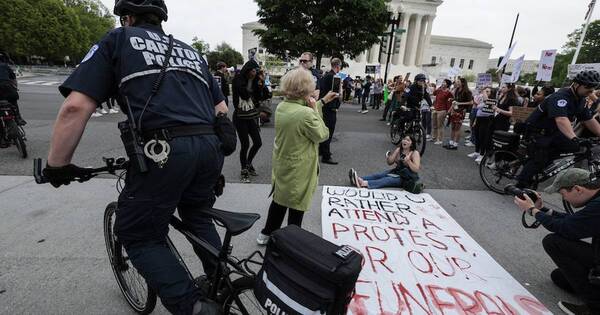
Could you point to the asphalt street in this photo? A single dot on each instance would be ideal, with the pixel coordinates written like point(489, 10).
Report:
point(52, 254)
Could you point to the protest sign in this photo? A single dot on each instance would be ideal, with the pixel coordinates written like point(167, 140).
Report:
point(418, 260)
point(483, 80)
point(370, 69)
point(506, 57)
point(546, 65)
point(506, 78)
point(575, 69)
point(518, 66)
point(453, 72)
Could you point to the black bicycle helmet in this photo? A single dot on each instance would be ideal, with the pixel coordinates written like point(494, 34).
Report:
point(420, 77)
point(588, 77)
point(156, 7)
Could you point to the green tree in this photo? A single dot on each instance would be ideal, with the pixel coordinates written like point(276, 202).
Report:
point(324, 27)
point(224, 52)
point(590, 50)
point(95, 20)
point(200, 45)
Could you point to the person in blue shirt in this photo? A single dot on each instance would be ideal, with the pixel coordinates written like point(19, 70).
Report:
point(574, 258)
point(181, 110)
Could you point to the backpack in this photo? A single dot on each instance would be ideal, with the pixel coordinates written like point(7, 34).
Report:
point(306, 274)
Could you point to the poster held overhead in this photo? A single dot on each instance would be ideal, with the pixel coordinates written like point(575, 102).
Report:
point(546, 65)
point(516, 73)
point(506, 57)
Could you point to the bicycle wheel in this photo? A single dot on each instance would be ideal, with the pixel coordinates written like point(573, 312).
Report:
point(133, 286)
point(240, 299)
point(498, 169)
point(395, 133)
point(20, 143)
point(418, 132)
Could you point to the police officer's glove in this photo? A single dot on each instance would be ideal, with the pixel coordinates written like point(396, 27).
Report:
point(582, 142)
point(63, 175)
point(225, 130)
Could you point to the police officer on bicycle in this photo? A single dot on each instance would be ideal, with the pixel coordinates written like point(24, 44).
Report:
point(549, 126)
point(8, 86)
point(413, 95)
point(167, 91)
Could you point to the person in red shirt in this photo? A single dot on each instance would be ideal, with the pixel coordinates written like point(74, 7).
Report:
point(441, 105)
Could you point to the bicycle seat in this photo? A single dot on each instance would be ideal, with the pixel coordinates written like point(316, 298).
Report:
point(234, 222)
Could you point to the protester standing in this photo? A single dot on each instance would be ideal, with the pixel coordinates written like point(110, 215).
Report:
point(223, 76)
point(483, 120)
point(441, 105)
point(365, 96)
point(508, 99)
point(329, 110)
point(462, 99)
point(299, 128)
point(245, 118)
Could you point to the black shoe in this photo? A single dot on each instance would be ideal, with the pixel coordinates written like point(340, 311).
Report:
point(574, 309)
point(244, 176)
point(351, 176)
point(206, 307)
point(20, 121)
point(329, 161)
point(560, 281)
point(252, 171)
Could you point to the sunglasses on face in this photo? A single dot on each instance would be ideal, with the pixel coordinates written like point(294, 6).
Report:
point(305, 61)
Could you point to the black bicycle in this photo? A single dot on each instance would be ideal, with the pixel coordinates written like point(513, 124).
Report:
point(233, 280)
point(500, 166)
point(10, 132)
point(413, 127)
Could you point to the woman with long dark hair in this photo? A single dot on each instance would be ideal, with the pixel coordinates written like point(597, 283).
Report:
point(245, 117)
point(463, 99)
point(506, 101)
point(407, 164)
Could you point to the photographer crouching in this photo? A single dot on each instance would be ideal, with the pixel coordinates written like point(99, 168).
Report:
point(577, 260)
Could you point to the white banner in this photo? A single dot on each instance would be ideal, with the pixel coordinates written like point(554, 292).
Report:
point(506, 57)
point(506, 79)
point(546, 65)
point(518, 66)
point(418, 260)
point(575, 69)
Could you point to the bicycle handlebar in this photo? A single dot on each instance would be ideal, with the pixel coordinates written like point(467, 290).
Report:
point(111, 166)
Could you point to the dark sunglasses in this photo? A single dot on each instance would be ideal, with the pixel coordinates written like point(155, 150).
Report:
point(305, 61)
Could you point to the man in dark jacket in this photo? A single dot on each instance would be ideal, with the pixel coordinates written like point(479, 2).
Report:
point(223, 76)
point(573, 257)
point(8, 86)
point(329, 110)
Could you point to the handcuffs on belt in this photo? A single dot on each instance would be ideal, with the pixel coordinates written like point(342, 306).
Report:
point(159, 157)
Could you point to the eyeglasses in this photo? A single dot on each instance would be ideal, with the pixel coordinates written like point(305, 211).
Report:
point(305, 61)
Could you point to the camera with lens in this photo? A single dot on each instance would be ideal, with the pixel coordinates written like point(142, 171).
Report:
point(518, 192)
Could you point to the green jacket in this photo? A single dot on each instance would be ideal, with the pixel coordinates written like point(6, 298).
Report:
point(298, 131)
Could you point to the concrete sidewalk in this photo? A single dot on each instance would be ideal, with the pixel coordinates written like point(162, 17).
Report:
point(53, 259)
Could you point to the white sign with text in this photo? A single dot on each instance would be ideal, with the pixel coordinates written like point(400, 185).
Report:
point(418, 260)
point(546, 65)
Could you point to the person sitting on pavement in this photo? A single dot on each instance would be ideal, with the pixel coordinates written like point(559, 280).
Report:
point(405, 174)
point(574, 258)
point(299, 128)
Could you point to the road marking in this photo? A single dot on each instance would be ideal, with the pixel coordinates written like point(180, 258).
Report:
point(51, 83)
point(46, 83)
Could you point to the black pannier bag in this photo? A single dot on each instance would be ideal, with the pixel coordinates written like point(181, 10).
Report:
point(504, 140)
point(306, 274)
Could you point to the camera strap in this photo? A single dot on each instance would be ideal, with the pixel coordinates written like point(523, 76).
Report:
point(526, 225)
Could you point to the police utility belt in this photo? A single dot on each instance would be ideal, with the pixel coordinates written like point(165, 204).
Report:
point(156, 141)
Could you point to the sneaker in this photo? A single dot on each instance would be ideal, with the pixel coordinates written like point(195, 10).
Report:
point(388, 124)
point(96, 114)
point(103, 111)
point(469, 144)
point(252, 171)
point(351, 177)
point(360, 111)
point(560, 281)
point(473, 155)
point(364, 111)
point(438, 142)
point(262, 239)
point(479, 159)
point(113, 111)
point(429, 138)
point(245, 176)
point(574, 309)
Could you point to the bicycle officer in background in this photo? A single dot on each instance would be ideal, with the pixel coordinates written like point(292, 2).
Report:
point(176, 114)
point(549, 126)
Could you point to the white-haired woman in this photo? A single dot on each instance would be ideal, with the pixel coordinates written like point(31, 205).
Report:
point(299, 128)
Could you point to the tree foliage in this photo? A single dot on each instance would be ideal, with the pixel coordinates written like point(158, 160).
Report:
point(224, 52)
point(324, 27)
point(52, 29)
point(200, 45)
point(590, 50)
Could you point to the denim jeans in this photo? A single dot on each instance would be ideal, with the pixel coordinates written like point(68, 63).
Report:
point(381, 180)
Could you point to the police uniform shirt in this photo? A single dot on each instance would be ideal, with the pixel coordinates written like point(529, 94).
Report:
point(6, 73)
point(563, 103)
point(127, 61)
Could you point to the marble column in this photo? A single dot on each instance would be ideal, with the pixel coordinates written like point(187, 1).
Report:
point(421, 41)
point(427, 40)
point(374, 53)
point(413, 40)
point(399, 57)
